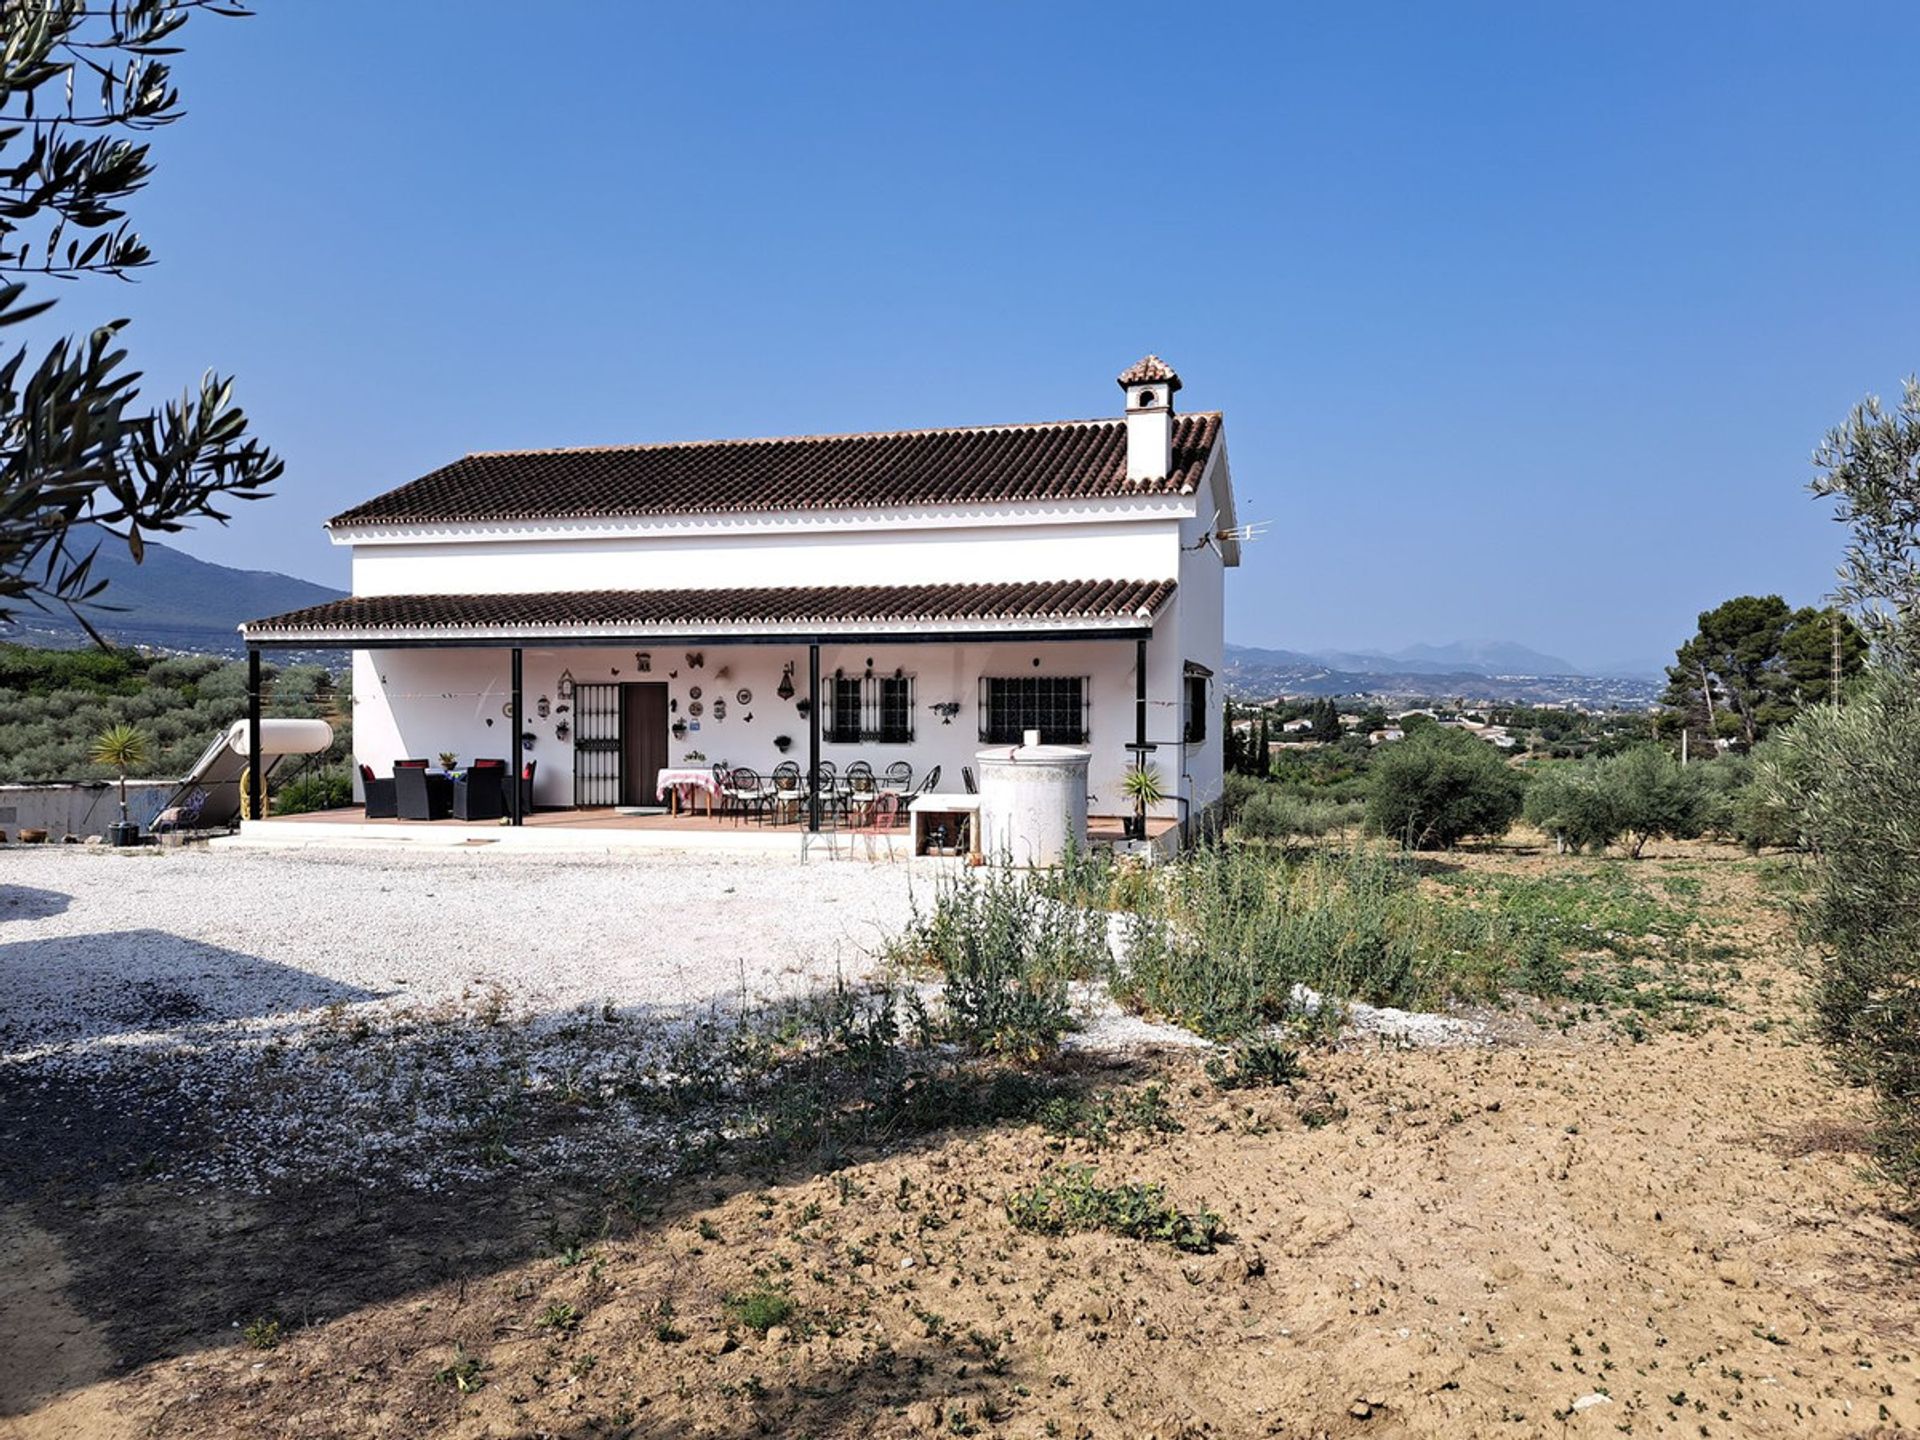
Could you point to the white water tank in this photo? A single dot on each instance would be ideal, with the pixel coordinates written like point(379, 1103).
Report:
point(1033, 801)
point(283, 737)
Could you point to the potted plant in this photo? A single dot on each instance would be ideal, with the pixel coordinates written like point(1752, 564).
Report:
point(448, 760)
point(124, 747)
point(1142, 786)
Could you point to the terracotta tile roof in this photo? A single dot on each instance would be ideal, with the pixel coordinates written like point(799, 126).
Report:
point(1150, 370)
point(1062, 460)
point(1047, 604)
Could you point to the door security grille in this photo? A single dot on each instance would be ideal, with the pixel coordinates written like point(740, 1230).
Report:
point(597, 747)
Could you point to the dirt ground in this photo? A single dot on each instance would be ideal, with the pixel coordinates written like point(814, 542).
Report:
point(1564, 1233)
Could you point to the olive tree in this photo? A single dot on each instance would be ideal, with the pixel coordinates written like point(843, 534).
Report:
point(81, 454)
point(1439, 786)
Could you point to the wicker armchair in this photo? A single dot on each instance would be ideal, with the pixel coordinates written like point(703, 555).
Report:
point(480, 794)
point(381, 804)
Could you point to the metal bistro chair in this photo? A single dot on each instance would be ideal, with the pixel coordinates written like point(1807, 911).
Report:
point(789, 792)
point(862, 790)
point(966, 779)
point(882, 816)
point(927, 787)
point(899, 777)
point(826, 786)
point(723, 796)
point(748, 794)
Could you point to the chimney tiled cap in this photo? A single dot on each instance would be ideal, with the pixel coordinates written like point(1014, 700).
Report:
point(1151, 370)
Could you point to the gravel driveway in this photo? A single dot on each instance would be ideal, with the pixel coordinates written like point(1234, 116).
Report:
point(362, 1011)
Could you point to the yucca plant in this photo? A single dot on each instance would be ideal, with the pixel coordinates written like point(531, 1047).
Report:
point(123, 747)
point(1143, 787)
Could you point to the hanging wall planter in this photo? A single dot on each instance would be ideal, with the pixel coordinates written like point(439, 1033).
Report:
point(679, 728)
point(783, 743)
point(542, 708)
point(563, 732)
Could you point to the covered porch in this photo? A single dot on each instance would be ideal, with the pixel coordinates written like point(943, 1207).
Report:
point(605, 696)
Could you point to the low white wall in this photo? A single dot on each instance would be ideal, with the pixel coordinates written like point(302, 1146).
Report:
point(417, 703)
point(80, 808)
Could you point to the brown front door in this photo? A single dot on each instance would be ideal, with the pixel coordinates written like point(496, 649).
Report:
point(643, 711)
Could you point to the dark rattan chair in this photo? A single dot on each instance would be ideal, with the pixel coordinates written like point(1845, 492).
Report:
point(480, 794)
point(379, 793)
point(414, 796)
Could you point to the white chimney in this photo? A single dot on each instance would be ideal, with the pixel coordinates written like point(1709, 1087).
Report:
point(1150, 386)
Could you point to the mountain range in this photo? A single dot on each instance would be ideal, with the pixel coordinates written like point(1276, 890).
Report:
point(170, 601)
point(1489, 670)
point(173, 601)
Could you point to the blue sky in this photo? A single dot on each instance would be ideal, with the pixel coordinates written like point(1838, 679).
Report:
point(1525, 318)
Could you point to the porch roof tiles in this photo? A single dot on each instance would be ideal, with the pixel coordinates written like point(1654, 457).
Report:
point(589, 614)
point(1059, 460)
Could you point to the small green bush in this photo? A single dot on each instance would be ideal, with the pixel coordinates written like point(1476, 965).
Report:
point(315, 790)
point(1255, 1064)
point(761, 1309)
point(1275, 814)
point(1008, 952)
point(1072, 1199)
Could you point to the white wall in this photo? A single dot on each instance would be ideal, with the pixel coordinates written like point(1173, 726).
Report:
point(1202, 639)
point(1138, 549)
point(419, 702)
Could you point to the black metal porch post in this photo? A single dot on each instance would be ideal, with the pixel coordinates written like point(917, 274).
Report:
point(813, 737)
point(1140, 702)
point(516, 766)
point(256, 783)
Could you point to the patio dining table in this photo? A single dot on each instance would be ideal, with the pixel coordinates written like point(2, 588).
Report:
point(681, 784)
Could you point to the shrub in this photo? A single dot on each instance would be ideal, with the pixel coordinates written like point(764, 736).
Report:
point(315, 790)
point(1008, 952)
point(1239, 929)
point(1255, 1064)
point(1851, 780)
point(1273, 814)
point(1436, 788)
point(760, 1310)
point(1072, 1199)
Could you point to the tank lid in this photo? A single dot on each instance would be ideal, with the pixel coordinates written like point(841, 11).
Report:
point(1032, 754)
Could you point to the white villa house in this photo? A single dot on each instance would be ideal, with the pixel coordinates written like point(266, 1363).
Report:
point(909, 595)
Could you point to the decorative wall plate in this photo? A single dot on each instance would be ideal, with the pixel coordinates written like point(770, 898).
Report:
point(696, 709)
point(694, 693)
point(745, 697)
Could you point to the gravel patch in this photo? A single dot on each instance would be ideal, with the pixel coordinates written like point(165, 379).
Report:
point(394, 1015)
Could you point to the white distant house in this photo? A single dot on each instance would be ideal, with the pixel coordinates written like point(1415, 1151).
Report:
point(1294, 727)
point(906, 595)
